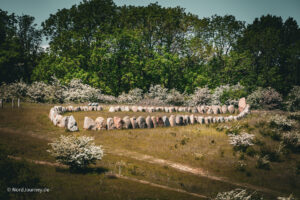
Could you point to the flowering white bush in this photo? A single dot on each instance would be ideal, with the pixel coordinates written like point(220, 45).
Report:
point(219, 92)
point(157, 92)
point(133, 96)
point(13, 90)
point(281, 122)
point(201, 96)
point(175, 98)
point(76, 152)
point(237, 194)
point(293, 102)
point(292, 139)
point(39, 92)
point(266, 98)
point(241, 141)
point(80, 92)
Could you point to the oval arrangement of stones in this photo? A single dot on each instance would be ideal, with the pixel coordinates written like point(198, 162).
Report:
point(127, 122)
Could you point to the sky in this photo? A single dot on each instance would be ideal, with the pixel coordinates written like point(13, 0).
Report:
point(244, 10)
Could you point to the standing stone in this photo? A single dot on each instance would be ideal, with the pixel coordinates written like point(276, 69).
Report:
point(141, 122)
point(118, 122)
point(231, 109)
point(166, 121)
point(141, 109)
point(127, 122)
point(200, 120)
point(224, 109)
point(189, 109)
point(72, 124)
point(186, 120)
point(112, 109)
point(172, 120)
point(149, 122)
point(230, 118)
point(122, 108)
point(117, 109)
point(134, 123)
point(89, 124)
point(179, 120)
point(216, 109)
point(99, 108)
point(86, 108)
point(91, 108)
point(166, 109)
point(18, 102)
point(209, 110)
point(134, 109)
point(100, 123)
point(242, 104)
point(160, 122)
point(126, 109)
point(194, 110)
point(207, 120)
point(192, 119)
point(153, 118)
point(52, 114)
point(57, 119)
point(110, 124)
point(63, 122)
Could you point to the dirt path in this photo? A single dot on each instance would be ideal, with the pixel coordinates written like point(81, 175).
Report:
point(150, 159)
point(39, 162)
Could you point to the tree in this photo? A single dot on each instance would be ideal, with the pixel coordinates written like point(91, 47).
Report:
point(76, 152)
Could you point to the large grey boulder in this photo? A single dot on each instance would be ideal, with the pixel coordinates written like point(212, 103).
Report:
point(166, 121)
point(127, 122)
point(72, 124)
point(186, 120)
point(242, 104)
point(57, 119)
point(149, 122)
point(118, 122)
point(134, 123)
point(110, 123)
point(89, 124)
point(99, 108)
point(179, 120)
point(141, 122)
point(100, 123)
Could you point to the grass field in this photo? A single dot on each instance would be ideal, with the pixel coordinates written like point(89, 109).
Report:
point(147, 154)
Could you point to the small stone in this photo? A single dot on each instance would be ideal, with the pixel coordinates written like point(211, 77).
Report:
point(72, 124)
point(231, 109)
point(127, 122)
point(153, 118)
point(149, 122)
point(242, 104)
point(224, 109)
point(160, 122)
point(112, 109)
point(134, 123)
point(172, 120)
point(179, 120)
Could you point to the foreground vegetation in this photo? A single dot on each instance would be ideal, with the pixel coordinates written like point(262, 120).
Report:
point(271, 163)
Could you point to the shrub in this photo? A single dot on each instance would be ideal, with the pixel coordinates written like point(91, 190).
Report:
point(237, 194)
point(294, 116)
point(201, 96)
point(133, 96)
point(241, 142)
point(102, 98)
point(175, 98)
point(265, 98)
point(292, 140)
point(80, 92)
point(263, 162)
point(157, 92)
point(281, 122)
point(291, 197)
point(293, 102)
point(76, 152)
point(228, 94)
point(39, 92)
point(273, 155)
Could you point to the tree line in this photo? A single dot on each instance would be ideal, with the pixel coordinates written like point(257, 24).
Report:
point(118, 49)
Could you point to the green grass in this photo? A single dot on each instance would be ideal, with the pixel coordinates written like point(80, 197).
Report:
point(195, 145)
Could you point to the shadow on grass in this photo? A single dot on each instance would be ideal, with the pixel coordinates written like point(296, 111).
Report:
point(88, 170)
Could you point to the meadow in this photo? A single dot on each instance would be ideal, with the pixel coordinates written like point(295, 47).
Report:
point(188, 162)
